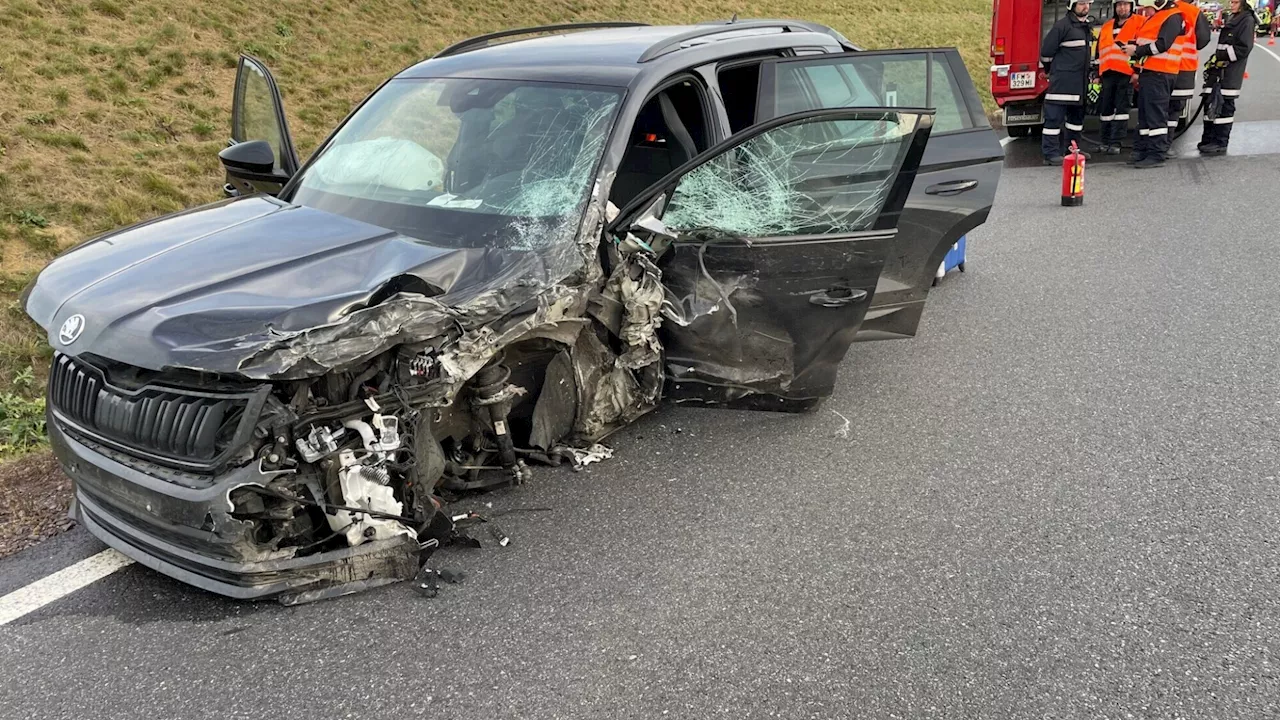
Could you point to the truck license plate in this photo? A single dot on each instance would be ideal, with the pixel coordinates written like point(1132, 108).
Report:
point(1022, 80)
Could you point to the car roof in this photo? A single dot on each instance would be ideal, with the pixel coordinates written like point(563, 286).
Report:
point(610, 56)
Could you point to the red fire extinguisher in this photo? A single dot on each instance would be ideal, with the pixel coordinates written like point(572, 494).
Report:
point(1073, 177)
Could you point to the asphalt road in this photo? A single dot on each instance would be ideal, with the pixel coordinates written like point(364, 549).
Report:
point(1060, 500)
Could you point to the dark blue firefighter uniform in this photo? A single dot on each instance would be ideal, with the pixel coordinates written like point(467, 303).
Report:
point(1234, 43)
point(1065, 52)
point(1185, 87)
point(1158, 75)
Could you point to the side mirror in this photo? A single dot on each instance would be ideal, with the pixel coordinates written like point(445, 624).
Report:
point(649, 220)
point(647, 232)
point(254, 157)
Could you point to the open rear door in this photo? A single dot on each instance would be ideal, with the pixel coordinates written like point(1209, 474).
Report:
point(257, 113)
point(771, 245)
point(956, 180)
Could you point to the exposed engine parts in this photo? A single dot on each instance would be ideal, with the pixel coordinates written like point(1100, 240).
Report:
point(493, 395)
point(371, 462)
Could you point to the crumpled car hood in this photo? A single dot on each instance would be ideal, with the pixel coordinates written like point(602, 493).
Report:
point(180, 290)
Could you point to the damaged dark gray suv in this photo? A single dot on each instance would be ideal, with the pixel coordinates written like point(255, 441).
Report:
point(505, 253)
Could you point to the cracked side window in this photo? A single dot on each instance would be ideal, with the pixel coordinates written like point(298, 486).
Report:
point(810, 177)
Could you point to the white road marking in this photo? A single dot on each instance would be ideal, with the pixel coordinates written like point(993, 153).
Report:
point(1265, 50)
point(1006, 140)
point(60, 584)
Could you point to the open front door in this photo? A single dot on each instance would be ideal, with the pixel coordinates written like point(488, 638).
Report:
point(957, 177)
point(771, 246)
point(257, 114)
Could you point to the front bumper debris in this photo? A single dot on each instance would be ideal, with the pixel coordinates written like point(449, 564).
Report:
point(186, 533)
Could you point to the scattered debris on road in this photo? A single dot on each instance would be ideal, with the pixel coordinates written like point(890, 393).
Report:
point(842, 432)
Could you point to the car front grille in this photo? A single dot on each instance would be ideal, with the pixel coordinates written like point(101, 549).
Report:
point(184, 428)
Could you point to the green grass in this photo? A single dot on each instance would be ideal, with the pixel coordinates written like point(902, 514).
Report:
point(113, 111)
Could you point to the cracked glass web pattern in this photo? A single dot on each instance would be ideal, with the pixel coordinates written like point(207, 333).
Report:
point(810, 177)
point(564, 154)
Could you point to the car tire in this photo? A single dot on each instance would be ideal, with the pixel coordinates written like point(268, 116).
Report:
point(1019, 131)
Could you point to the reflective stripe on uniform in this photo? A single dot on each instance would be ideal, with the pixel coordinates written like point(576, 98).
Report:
point(1172, 123)
point(1224, 121)
point(1046, 59)
point(1230, 93)
point(1051, 131)
point(1072, 43)
point(1158, 131)
point(1231, 52)
point(1144, 131)
point(1062, 96)
point(1184, 92)
point(1076, 128)
point(1106, 118)
point(1120, 116)
point(1168, 62)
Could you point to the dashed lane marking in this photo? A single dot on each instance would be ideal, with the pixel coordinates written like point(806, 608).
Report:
point(1006, 141)
point(60, 584)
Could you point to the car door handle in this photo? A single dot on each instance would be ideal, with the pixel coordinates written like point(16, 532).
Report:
point(951, 187)
point(837, 297)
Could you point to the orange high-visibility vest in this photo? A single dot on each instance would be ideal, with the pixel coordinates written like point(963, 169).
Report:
point(1187, 41)
point(1110, 56)
point(1169, 61)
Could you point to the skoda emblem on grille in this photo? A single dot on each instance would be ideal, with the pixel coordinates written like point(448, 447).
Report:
point(71, 329)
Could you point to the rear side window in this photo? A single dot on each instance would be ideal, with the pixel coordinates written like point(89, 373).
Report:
point(951, 111)
point(893, 79)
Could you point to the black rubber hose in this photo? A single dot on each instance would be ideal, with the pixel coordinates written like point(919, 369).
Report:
point(1097, 143)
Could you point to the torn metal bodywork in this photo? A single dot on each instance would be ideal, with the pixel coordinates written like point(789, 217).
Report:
point(483, 270)
point(367, 418)
point(772, 254)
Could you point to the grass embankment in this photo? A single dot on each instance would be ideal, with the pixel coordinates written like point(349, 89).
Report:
point(113, 111)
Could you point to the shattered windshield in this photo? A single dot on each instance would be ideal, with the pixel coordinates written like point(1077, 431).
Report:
point(466, 163)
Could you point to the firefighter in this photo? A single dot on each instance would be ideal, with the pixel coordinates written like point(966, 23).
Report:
point(1065, 54)
point(1158, 64)
point(1224, 76)
point(1117, 73)
point(1195, 38)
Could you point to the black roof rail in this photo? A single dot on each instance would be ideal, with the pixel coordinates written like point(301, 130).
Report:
point(480, 41)
point(719, 27)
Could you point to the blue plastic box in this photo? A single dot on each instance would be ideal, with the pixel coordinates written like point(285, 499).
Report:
point(954, 260)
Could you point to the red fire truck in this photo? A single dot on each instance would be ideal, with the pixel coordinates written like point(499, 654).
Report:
point(1018, 83)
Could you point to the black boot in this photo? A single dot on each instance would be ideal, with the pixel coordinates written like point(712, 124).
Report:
point(1206, 137)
